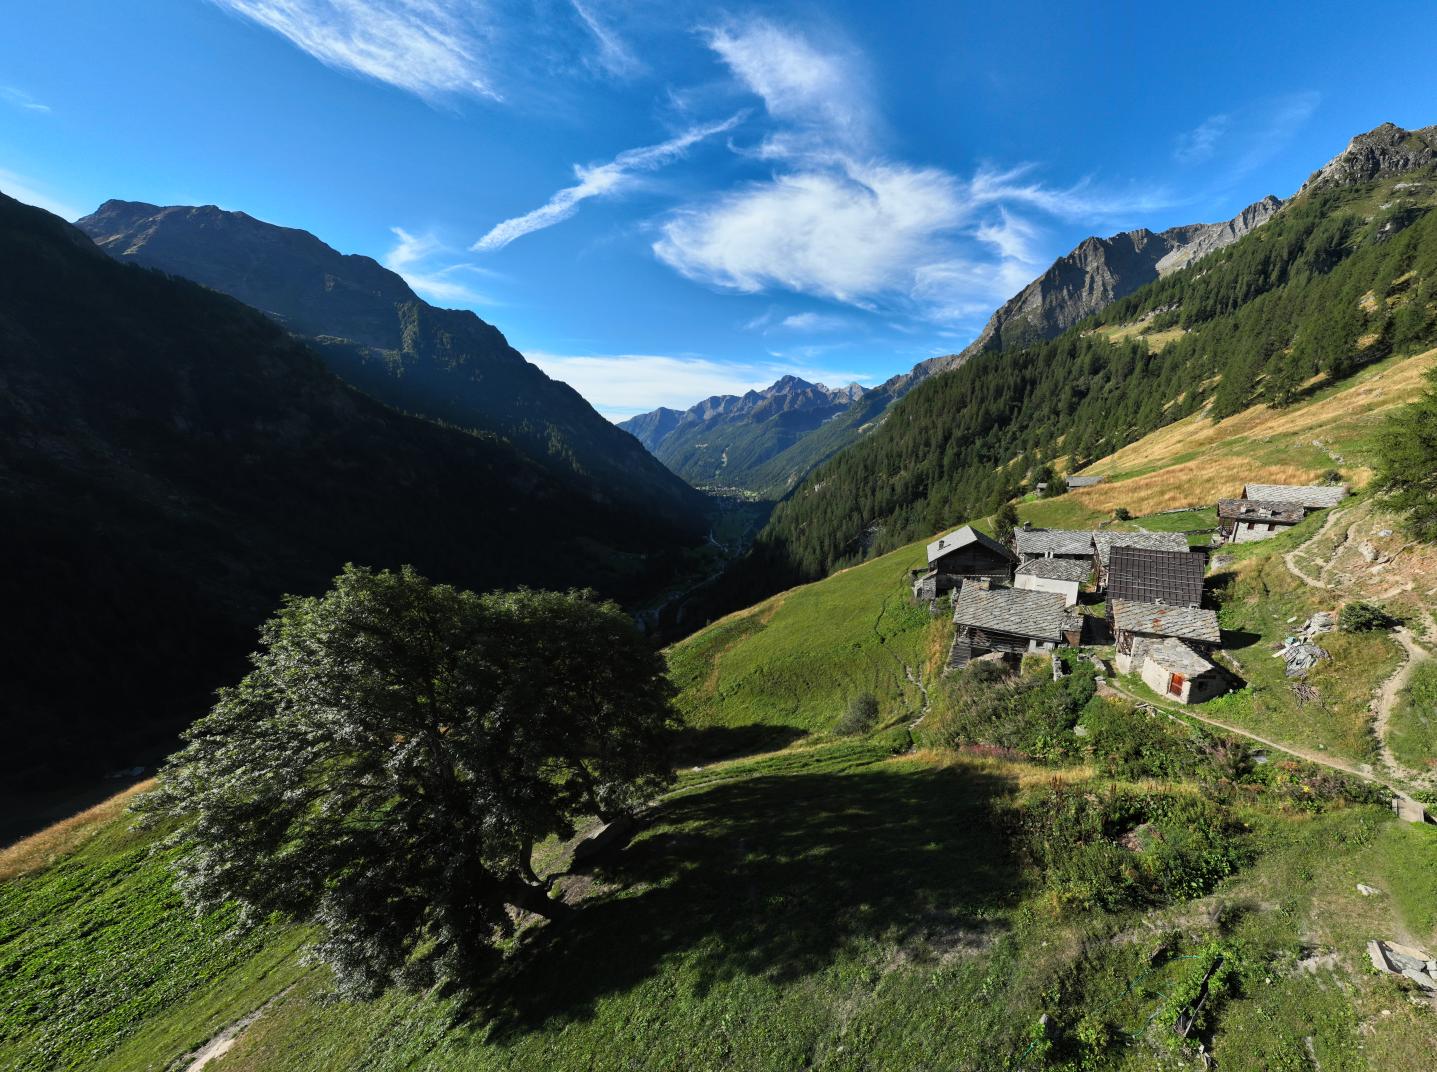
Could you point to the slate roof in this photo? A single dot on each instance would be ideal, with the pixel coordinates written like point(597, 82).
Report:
point(1189, 623)
point(1148, 576)
point(1312, 496)
point(1057, 569)
point(1084, 481)
point(1156, 541)
point(1054, 542)
point(1177, 658)
point(965, 537)
point(1011, 610)
point(1260, 510)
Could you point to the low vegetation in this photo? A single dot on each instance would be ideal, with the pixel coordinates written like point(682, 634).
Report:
point(1413, 732)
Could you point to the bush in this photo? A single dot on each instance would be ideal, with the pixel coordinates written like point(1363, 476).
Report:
point(1332, 476)
point(861, 716)
point(1360, 617)
point(1033, 715)
point(1122, 513)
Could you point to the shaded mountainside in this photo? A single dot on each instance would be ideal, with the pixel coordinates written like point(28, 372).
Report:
point(739, 441)
point(172, 462)
point(376, 334)
point(1344, 275)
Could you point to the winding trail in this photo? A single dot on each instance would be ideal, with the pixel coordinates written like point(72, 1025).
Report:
point(1290, 558)
point(1386, 700)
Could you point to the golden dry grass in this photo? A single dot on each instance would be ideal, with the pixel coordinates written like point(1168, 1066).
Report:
point(1223, 467)
point(44, 848)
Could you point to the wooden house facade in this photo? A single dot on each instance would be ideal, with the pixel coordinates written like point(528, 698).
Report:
point(960, 555)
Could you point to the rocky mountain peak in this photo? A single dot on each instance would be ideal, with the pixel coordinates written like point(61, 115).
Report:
point(1383, 151)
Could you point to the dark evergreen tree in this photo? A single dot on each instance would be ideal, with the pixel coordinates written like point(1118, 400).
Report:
point(1407, 463)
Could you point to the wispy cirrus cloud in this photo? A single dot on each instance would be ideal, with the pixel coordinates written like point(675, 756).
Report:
point(414, 257)
point(614, 55)
point(622, 385)
point(18, 98)
point(843, 220)
point(432, 48)
point(1196, 145)
point(601, 180)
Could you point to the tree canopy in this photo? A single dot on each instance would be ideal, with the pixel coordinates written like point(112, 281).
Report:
point(388, 764)
point(1407, 462)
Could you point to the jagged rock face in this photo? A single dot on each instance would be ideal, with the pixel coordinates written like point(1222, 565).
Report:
point(1388, 150)
point(377, 334)
point(1098, 272)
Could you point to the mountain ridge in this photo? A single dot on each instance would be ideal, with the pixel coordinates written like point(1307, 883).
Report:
point(378, 335)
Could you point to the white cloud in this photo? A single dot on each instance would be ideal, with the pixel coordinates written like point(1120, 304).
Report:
point(23, 189)
point(431, 48)
point(18, 98)
point(814, 322)
point(622, 385)
point(616, 176)
point(817, 92)
point(848, 235)
point(1198, 144)
point(614, 56)
point(412, 256)
point(841, 220)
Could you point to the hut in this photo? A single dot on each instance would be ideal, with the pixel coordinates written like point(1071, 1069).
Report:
point(1146, 575)
point(1052, 543)
point(1138, 626)
point(1010, 620)
point(1064, 576)
point(1172, 669)
point(1104, 542)
point(961, 554)
point(1245, 520)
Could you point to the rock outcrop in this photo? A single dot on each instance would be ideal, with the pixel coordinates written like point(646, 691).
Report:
point(1386, 151)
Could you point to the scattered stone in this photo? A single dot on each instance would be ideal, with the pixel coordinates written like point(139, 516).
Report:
point(1299, 656)
point(1407, 809)
point(1370, 553)
point(1080, 731)
point(1292, 619)
point(1385, 533)
point(1366, 890)
point(1390, 958)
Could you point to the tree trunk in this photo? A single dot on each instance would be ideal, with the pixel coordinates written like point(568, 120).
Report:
point(521, 894)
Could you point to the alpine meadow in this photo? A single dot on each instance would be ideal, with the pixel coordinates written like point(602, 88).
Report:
point(605, 537)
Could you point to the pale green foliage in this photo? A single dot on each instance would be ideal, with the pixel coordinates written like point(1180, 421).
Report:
point(398, 748)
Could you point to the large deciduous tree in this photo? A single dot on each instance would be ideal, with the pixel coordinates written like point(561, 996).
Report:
point(1407, 462)
point(387, 766)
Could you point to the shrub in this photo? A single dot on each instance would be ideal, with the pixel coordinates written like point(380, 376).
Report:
point(1332, 476)
point(1032, 715)
point(1122, 513)
point(1360, 617)
point(861, 716)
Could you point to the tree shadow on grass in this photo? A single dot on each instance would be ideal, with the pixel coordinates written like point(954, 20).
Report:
point(704, 744)
point(774, 877)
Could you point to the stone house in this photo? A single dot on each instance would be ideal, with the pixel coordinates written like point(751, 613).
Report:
point(1009, 620)
point(1138, 626)
point(1104, 541)
point(1084, 481)
point(1064, 576)
point(1245, 520)
point(1147, 575)
point(1176, 671)
point(1052, 543)
point(961, 554)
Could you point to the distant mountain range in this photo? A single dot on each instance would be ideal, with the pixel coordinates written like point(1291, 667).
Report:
point(173, 462)
point(378, 335)
point(747, 443)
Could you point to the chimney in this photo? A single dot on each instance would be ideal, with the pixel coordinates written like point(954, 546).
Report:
point(983, 584)
point(1027, 526)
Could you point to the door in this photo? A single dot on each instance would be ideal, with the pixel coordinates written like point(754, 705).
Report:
point(1175, 684)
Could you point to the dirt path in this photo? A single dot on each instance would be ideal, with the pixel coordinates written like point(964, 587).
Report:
point(917, 679)
point(1290, 559)
point(222, 1043)
point(1386, 700)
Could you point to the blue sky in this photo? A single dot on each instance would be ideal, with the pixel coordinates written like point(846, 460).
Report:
point(658, 201)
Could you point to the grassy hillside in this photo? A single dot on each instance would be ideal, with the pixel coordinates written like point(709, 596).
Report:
point(1338, 280)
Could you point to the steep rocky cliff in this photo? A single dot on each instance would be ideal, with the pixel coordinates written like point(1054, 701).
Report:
point(1385, 151)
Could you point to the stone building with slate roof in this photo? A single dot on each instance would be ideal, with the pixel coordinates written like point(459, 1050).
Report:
point(1137, 626)
point(1267, 509)
point(1172, 669)
point(1307, 496)
point(1052, 543)
point(1084, 481)
point(1062, 575)
point(961, 554)
point(1009, 620)
point(1104, 541)
point(1145, 575)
